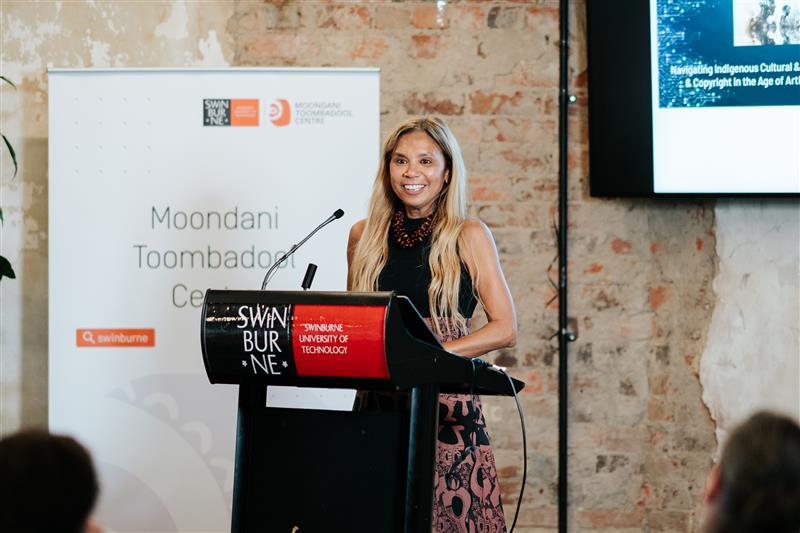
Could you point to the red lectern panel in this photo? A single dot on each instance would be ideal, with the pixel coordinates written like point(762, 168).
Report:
point(339, 341)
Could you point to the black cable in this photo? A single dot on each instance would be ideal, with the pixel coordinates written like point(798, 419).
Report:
point(524, 452)
point(553, 262)
point(522, 426)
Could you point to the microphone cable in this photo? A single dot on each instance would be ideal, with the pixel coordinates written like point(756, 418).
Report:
point(524, 451)
point(476, 361)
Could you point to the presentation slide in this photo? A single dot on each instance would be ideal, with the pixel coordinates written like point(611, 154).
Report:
point(726, 96)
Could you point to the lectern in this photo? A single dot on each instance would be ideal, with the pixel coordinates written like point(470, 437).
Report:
point(307, 471)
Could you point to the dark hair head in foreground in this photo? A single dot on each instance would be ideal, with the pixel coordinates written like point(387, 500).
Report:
point(47, 483)
point(756, 486)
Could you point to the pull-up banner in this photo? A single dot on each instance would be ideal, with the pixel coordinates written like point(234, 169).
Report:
point(165, 183)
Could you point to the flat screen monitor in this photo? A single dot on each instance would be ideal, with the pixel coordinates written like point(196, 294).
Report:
point(697, 97)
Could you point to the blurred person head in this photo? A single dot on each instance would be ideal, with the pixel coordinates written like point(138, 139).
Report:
point(755, 488)
point(48, 484)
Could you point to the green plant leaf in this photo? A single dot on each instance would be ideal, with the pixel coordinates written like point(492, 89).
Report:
point(8, 81)
point(12, 152)
point(5, 268)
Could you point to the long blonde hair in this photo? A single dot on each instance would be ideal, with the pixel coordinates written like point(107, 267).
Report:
point(450, 213)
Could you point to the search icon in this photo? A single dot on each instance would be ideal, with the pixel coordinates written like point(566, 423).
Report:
point(88, 337)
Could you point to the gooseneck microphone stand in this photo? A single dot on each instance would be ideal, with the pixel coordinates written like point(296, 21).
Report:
point(336, 214)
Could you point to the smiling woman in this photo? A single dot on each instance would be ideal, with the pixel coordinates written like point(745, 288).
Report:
point(418, 173)
point(418, 241)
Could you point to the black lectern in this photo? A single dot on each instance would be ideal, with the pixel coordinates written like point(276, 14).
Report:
point(306, 471)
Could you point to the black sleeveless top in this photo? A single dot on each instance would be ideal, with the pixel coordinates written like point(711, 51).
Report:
point(407, 272)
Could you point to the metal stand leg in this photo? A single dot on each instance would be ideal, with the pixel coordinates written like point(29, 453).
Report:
point(424, 426)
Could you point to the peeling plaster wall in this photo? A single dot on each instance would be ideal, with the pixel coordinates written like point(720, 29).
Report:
point(33, 37)
point(752, 359)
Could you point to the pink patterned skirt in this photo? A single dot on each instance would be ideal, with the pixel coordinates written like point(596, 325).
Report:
point(466, 488)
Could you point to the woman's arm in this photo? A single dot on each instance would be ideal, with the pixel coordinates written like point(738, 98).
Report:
point(480, 255)
point(352, 242)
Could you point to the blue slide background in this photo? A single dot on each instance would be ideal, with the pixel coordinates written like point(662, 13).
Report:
point(701, 31)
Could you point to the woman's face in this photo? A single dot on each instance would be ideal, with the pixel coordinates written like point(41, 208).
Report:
point(417, 172)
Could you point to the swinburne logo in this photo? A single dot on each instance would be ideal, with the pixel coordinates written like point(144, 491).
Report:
point(280, 112)
point(225, 112)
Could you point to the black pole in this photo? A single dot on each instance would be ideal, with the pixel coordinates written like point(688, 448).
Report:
point(423, 429)
point(563, 333)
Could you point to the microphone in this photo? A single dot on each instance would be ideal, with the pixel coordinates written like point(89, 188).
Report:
point(336, 214)
point(308, 279)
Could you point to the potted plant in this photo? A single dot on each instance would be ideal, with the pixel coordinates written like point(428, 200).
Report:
point(5, 266)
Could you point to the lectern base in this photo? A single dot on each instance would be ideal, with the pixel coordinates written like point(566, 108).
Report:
point(319, 471)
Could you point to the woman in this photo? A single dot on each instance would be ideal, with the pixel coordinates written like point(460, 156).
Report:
point(418, 241)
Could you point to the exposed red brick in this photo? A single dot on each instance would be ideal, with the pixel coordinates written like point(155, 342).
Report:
point(594, 268)
point(656, 247)
point(484, 194)
point(428, 103)
point(658, 295)
point(468, 17)
point(544, 20)
point(429, 17)
point(546, 185)
point(508, 471)
point(343, 17)
point(621, 247)
point(370, 48)
point(424, 46)
point(494, 103)
point(511, 129)
point(668, 520)
point(272, 45)
point(644, 493)
point(699, 244)
point(534, 382)
point(582, 79)
point(362, 14)
point(522, 161)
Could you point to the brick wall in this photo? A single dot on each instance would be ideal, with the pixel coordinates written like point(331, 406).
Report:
point(640, 271)
point(641, 440)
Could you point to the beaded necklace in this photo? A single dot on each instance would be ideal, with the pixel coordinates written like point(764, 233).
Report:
point(408, 240)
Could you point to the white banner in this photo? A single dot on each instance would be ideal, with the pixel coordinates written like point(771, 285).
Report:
point(164, 183)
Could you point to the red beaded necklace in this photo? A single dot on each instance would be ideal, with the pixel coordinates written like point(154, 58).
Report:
point(409, 240)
